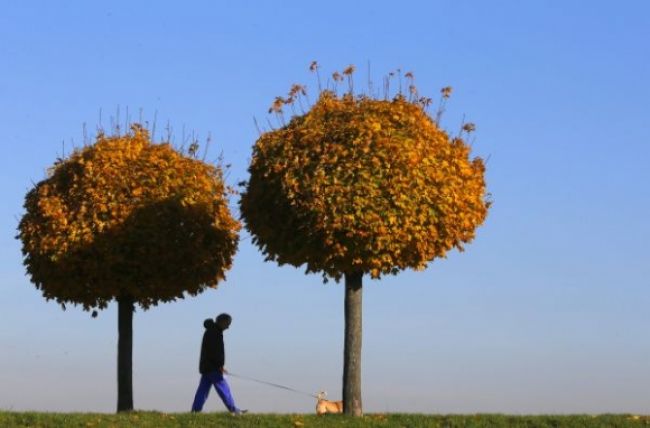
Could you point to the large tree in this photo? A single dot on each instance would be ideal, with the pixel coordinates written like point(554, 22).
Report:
point(129, 220)
point(359, 185)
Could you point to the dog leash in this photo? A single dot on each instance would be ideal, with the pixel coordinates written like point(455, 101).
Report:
point(275, 385)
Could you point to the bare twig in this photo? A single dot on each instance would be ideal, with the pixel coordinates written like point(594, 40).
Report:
point(208, 140)
point(257, 126)
point(369, 81)
point(153, 126)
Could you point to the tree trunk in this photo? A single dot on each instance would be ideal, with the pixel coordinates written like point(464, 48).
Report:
point(352, 350)
point(125, 309)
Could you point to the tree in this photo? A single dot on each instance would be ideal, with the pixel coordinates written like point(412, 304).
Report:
point(359, 185)
point(128, 220)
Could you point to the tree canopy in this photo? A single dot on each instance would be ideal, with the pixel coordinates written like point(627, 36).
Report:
point(359, 184)
point(125, 217)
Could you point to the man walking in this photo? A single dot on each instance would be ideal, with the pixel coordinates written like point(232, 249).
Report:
point(212, 363)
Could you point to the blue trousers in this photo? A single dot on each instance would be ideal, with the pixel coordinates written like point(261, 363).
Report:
point(217, 380)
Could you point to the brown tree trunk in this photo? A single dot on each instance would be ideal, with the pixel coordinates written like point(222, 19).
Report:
point(352, 350)
point(125, 309)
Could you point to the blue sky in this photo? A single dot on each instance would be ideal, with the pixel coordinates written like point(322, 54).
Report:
point(545, 312)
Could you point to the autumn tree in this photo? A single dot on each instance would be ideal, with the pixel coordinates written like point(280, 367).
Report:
point(129, 220)
point(361, 185)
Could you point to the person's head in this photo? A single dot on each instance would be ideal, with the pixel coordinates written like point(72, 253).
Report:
point(223, 321)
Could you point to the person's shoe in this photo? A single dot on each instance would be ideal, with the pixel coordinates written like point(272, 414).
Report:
point(240, 412)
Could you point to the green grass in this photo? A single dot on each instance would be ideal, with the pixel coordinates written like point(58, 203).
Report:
point(163, 420)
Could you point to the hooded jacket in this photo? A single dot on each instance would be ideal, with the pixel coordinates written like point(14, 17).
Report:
point(213, 356)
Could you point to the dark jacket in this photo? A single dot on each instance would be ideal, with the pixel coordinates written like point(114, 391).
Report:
point(213, 356)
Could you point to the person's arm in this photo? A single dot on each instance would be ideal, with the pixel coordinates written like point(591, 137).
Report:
point(220, 354)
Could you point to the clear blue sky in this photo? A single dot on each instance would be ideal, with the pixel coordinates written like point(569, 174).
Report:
point(546, 311)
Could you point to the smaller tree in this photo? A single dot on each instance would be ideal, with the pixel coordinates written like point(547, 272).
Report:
point(359, 185)
point(128, 220)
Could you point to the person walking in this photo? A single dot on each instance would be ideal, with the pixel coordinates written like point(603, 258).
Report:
point(211, 365)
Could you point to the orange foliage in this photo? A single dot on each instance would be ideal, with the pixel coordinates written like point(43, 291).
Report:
point(362, 185)
point(127, 218)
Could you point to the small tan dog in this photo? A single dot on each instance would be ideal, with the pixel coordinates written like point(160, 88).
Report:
point(324, 406)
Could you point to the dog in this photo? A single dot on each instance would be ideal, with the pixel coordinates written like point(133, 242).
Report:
point(324, 406)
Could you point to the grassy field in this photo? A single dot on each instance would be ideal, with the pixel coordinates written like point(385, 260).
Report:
point(163, 420)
